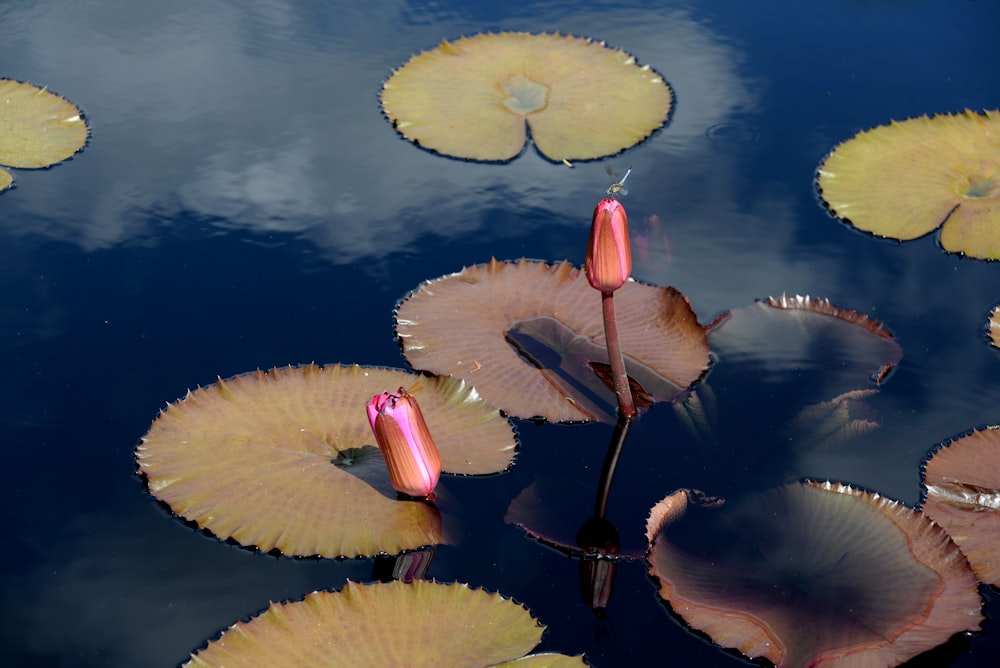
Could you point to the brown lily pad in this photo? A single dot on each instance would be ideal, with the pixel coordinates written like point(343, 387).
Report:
point(906, 179)
point(37, 128)
point(285, 460)
point(477, 97)
point(804, 352)
point(798, 335)
point(962, 494)
point(812, 574)
point(384, 624)
point(530, 337)
point(993, 327)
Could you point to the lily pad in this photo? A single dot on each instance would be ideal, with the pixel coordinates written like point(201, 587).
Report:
point(993, 327)
point(530, 337)
point(812, 574)
point(962, 494)
point(906, 179)
point(478, 97)
point(37, 128)
point(384, 624)
point(285, 460)
point(798, 334)
point(804, 352)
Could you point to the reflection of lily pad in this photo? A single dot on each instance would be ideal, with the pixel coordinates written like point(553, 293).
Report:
point(530, 337)
point(828, 423)
point(376, 625)
point(285, 460)
point(812, 574)
point(905, 179)
point(550, 511)
point(37, 128)
point(476, 97)
point(962, 494)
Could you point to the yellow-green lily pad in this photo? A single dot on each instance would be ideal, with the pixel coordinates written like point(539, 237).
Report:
point(477, 97)
point(906, 179)
point(285, 460)
point(385, 624)
point(37, 128)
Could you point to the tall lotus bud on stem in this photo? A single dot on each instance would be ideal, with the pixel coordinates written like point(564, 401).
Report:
point(608, 265)
point(609, 253)
point(405, 442)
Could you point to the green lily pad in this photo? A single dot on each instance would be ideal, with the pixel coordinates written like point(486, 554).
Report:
point(37, 128)
point(477, 97)
point(906, 179)
point(385, 624)
point(285, 460)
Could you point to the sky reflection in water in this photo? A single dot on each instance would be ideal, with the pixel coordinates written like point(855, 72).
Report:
point(242, 192)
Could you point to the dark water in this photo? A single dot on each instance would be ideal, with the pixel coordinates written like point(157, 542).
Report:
point(244, 204)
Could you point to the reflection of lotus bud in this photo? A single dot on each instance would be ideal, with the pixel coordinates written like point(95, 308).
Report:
point(406, 444)
point(609, 254)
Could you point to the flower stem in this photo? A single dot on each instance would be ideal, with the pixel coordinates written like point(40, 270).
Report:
point(626, 406)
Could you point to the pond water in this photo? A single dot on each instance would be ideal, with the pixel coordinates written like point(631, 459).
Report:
point(244, 204)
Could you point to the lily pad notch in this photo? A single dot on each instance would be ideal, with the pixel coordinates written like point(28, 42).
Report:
point(479, 97)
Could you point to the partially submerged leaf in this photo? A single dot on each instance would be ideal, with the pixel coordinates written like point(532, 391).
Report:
point(813, 574)
point(285, 460)
point(530, 337)
point(962, 494)
point(822, 361)
point(477, 97)
point(787, 335)
point(37, 128)
point(905, 179)
point(383, 624)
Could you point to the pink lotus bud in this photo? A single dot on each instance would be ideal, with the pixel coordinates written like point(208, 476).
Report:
point(405, 442)
point(609, 254)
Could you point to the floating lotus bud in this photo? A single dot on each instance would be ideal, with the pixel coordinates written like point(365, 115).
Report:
point(962, 494)
point(609, 254)
point(418, 624)
point(476, 97)
point(905, 179)
point(811, 574)
point(37, 128)
point(405, 442)
point(283, 460)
